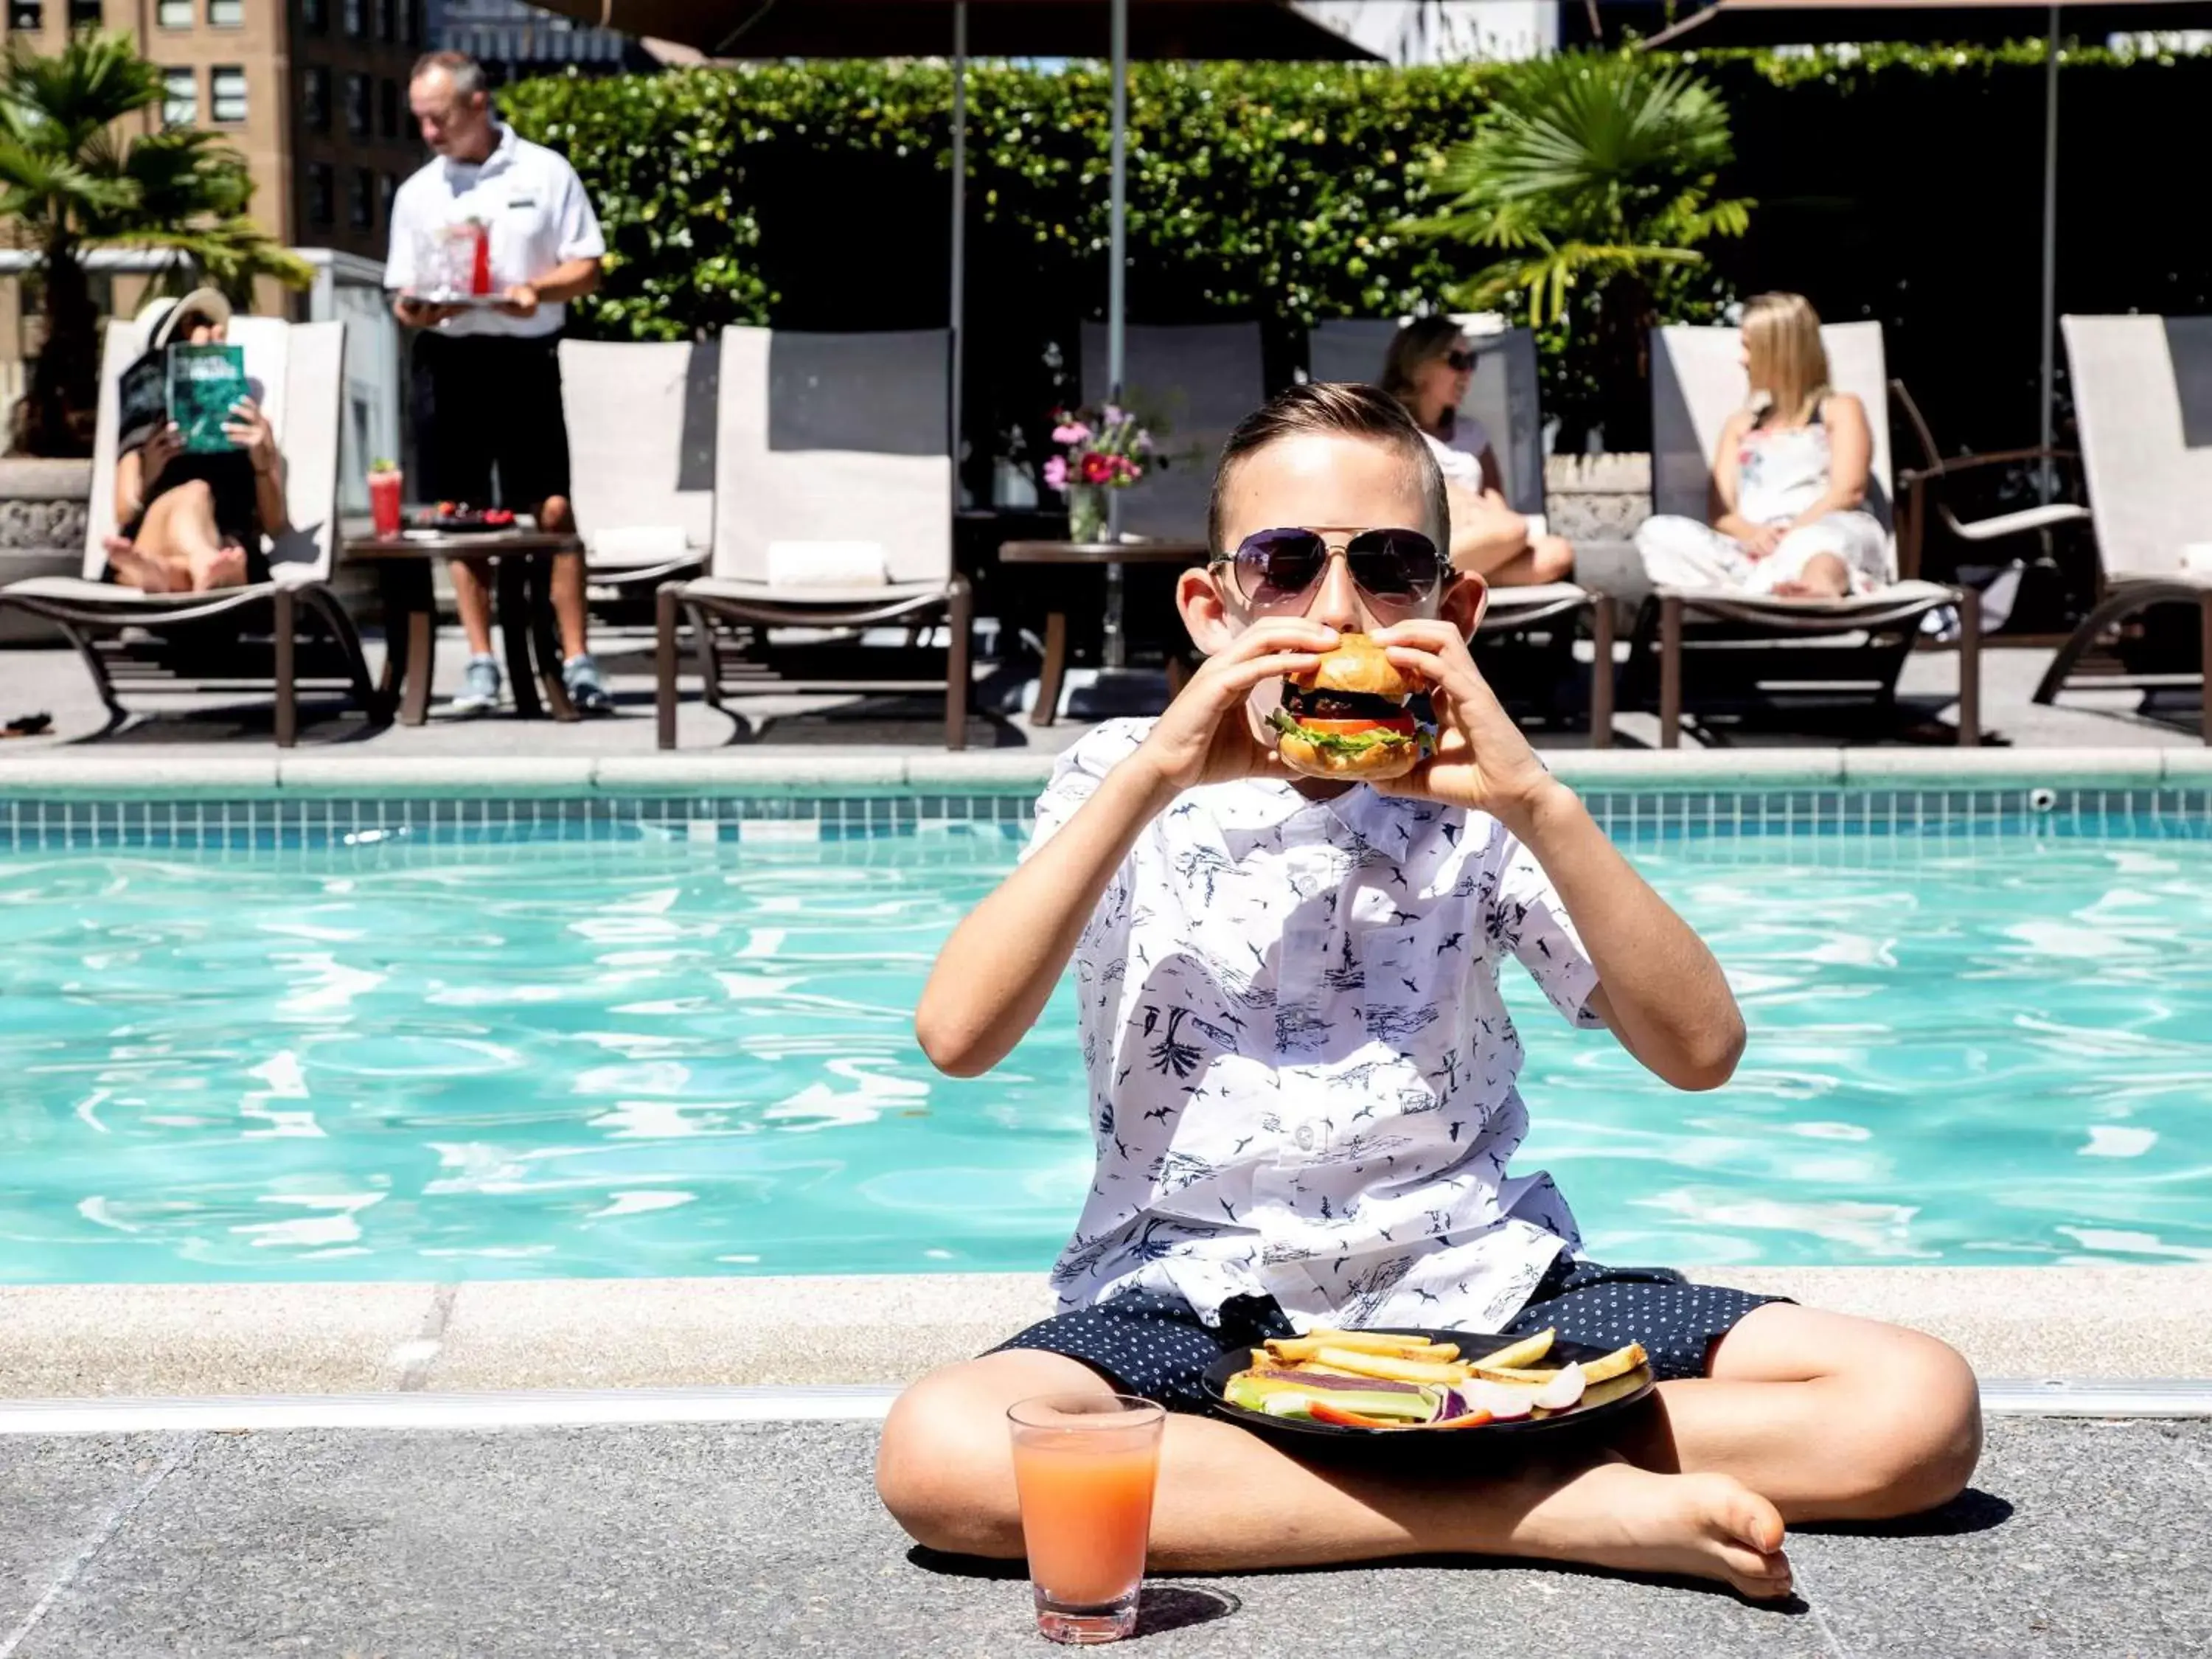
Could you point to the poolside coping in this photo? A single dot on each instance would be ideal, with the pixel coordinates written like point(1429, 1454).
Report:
point(139, 1341)
point(272, 775)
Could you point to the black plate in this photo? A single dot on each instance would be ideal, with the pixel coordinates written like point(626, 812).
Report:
point(1601, 1404)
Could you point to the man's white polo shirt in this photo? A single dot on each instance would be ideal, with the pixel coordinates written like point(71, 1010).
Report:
point(539, 218)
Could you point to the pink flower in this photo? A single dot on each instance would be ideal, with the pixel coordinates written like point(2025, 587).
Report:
point(1055, 472)
point(1070, 432)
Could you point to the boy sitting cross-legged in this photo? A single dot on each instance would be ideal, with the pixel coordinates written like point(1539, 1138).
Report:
point(1302, 1081)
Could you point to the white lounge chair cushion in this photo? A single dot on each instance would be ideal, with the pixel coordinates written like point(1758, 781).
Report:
point(1882, 598)
point(734, 587)
point(2182, 577)
point(640, 544)
point(811, 564)
point(75, 590)
point(1505, 599)
point(2013, 523)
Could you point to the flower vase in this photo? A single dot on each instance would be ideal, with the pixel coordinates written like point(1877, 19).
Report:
point(1086, 512)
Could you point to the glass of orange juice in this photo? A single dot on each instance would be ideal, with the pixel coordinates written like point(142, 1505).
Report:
point(1084, 1466)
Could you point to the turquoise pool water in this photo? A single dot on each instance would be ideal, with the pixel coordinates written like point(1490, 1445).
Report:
point(661, 1056)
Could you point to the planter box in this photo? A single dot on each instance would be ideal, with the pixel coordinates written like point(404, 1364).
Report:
point(42, 520)
point(1596, 498)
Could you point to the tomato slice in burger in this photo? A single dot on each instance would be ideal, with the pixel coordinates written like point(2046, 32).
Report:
point(1403, 726)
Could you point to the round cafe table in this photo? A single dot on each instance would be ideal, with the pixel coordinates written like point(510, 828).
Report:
point(1116, 554)
point(524, 562)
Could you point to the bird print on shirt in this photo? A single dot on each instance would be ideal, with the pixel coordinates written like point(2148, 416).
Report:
point(1393, 902)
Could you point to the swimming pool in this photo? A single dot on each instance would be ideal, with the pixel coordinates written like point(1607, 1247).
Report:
point(432, 1040)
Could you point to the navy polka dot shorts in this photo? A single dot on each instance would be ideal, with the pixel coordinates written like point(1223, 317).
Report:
point(1156, 1346)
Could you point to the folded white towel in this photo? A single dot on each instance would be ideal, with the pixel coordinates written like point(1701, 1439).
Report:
point(637, 544)
point(828, 564)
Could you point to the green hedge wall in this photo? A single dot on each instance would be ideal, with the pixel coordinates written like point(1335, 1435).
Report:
point(1903, 184)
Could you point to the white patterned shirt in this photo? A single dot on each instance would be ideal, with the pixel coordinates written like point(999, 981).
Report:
point(1301, 1071)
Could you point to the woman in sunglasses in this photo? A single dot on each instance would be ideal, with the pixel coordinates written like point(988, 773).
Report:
point(1428, 368)
point(1301, 1084)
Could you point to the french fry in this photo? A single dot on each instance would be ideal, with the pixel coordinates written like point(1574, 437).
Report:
point(1295, 1348)
point(1618, 1362)
point(1512, 1373)
point(1526, 1351)
point(1386, 1365)
point(1369, 1341)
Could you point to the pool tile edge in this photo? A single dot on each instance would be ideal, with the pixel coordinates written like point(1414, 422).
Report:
point(723, 773)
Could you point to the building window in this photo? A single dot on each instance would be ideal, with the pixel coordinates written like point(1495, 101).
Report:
point(387, 108)
point(315, 99)
point(174, 14)
point(390, 194)
point(360, 200)
point(387, 20)
point(356, 18)
point(181, 97)
point(28, 15)
point(84, 15)
point(315, 16)
point(321, 193)
point(226, 92)
point(225, 13)
point(357, 110)
point(414, 22)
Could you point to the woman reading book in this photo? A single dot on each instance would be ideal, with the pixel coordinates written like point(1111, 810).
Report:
point(192, 521)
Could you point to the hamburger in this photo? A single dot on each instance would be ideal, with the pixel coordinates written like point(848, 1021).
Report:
point(1347, 716)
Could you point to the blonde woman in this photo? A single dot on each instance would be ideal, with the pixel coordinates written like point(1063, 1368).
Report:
point(1427, 369)
point(1789, 478)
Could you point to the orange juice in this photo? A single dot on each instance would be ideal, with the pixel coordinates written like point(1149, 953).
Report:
point(1086, 1511)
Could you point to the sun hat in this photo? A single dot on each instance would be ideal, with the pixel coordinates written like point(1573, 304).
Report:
point(165, 314)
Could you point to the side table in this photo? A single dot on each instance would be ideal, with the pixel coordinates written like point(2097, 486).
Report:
point(1055, 674)
point(524, 603)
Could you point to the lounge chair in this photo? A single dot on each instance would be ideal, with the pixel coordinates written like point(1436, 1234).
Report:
point(1928, 490)
point(151, 636)
point(834, 494)
point(641, 457)
point(2143, 397)
point(1527, 634)
point(1714, 648)
point(1197, 383)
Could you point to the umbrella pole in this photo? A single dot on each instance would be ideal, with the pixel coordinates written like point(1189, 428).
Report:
point(959, 306)
point(2049, 246)
point(1114, 651)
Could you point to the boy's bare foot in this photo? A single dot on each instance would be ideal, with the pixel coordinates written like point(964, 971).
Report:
point(1704, 1526)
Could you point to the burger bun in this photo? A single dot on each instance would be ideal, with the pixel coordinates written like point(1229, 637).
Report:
point(1357, 664)
point(1377, 763)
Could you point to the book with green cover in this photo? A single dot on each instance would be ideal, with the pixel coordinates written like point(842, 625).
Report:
point(204, 382)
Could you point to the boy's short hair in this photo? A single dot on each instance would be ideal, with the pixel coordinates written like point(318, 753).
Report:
point(1340, 407)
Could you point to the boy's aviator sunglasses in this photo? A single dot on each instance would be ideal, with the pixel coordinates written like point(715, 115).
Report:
point(1398, 569)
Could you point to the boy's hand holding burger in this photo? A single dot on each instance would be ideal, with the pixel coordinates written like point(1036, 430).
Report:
point(1482, 762)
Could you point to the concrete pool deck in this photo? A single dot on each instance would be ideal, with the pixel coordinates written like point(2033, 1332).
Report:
point(2020, 1325)
point(2074, 1538)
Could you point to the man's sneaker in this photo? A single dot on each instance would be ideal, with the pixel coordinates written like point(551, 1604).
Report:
point(586, 689)
point(479, 692)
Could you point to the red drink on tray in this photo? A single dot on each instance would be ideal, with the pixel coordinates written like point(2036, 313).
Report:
point(384, 483)
point(480, 260)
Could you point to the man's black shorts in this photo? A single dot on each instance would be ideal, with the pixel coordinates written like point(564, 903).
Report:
point(1156, 1347)
point(485, 403)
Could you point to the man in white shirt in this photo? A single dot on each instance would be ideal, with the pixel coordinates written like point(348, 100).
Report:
point(487, 379)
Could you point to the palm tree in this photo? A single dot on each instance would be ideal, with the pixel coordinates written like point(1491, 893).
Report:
point(1588, 184)
point(71, 179)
